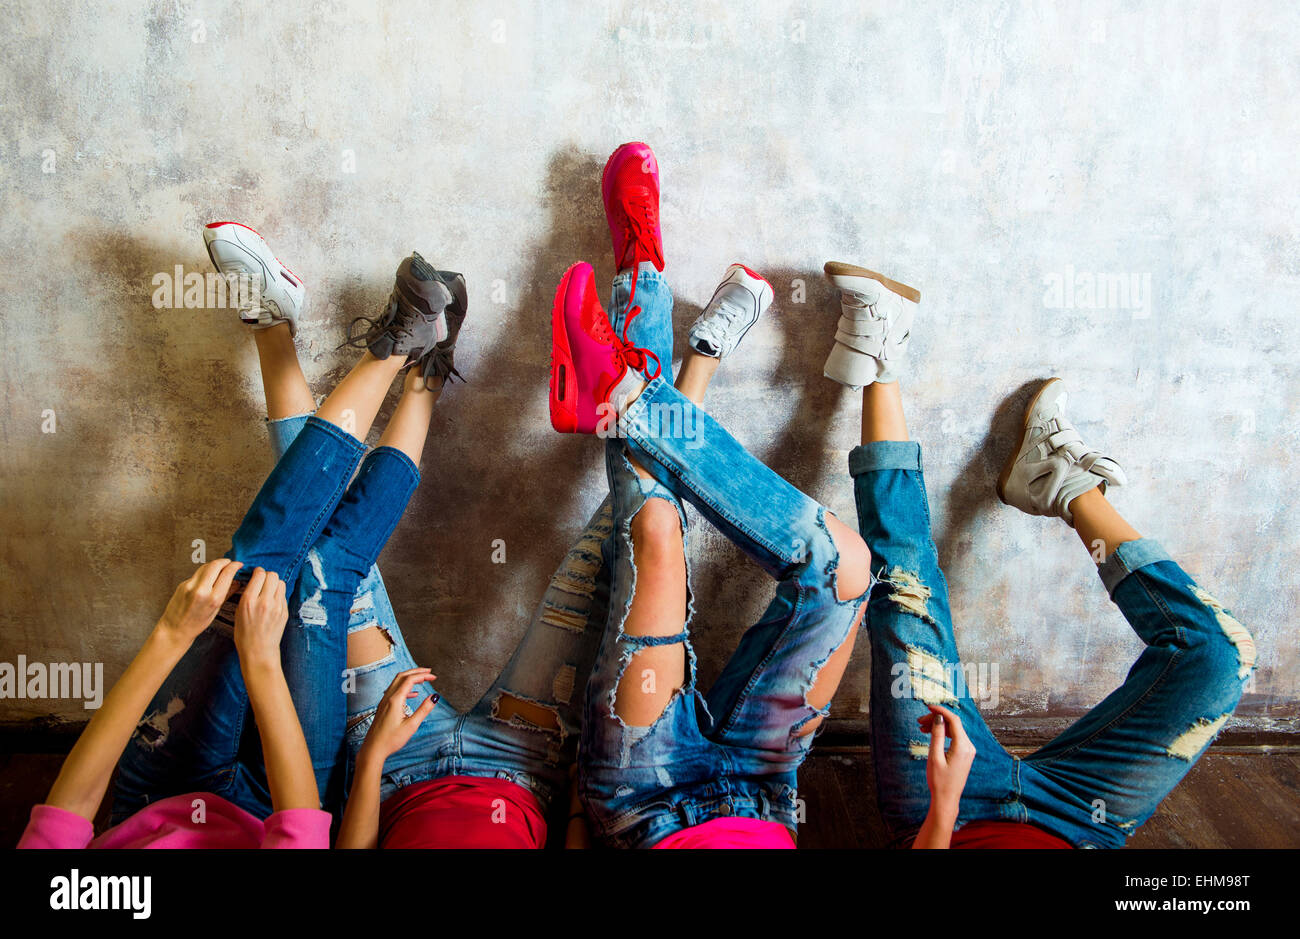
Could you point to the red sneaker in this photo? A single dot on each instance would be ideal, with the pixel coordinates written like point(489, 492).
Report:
point(630, 187)
point(588, 361)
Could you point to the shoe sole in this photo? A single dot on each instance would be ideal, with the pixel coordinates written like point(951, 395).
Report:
point(834, 268)
point(292, 277)
point(1020, 444)
point(564, 413)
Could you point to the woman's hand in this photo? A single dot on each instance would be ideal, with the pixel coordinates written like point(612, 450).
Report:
point(392, 727)
point(394, 722)
point(260, 619)
point(946, 772)
point(196, 601)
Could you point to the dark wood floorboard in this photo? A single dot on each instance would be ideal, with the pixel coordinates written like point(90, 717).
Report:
point(1232, 798)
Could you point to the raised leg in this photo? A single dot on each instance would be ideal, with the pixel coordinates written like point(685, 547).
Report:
point(914, 658)
point(1102, 778)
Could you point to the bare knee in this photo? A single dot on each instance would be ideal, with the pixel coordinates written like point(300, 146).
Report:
point(853, 575)
point(659, 608)
point(652, 676)
point(368, 646)
point(829, 676)
point(657, 529)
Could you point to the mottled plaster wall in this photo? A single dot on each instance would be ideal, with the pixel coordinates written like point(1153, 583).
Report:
point(972, 150)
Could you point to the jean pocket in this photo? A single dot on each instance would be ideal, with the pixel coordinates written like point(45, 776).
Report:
point(358, 727)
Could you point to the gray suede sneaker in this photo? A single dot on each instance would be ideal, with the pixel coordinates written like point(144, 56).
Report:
point(1052, 465)
point(414, 320)
point(439, 362)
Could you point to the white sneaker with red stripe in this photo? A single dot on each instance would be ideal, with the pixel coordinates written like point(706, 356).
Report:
point(741, 298)
point(276, 294)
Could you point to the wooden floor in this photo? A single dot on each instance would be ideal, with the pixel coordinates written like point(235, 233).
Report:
point(1233, 798)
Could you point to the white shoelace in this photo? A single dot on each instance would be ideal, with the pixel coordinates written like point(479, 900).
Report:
point(717, 327)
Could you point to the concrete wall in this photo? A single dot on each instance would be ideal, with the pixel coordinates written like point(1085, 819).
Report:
point(975, 151)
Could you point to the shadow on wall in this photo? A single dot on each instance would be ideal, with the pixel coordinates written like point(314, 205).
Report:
point(104, 566)
point(974, 489)
point(512, 476)
point(731, 592)
point(493, 467)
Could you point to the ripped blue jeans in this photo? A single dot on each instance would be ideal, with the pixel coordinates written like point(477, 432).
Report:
point(548, 669)
point(1097, 782)
point(736, 750)
point(321, 534)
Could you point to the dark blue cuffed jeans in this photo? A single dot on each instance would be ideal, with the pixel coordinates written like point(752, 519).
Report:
point(322, 536)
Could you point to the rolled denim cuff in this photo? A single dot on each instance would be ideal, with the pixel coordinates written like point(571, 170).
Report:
point(283, 431)
point(1127, 558)
point(405, 463)
point(646, 271)
point(885, 455)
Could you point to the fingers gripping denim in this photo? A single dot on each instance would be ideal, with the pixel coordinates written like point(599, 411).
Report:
point(1097, 782)
point(192, 736)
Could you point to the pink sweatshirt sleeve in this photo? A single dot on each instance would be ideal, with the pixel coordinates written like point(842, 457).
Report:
point(297, 828)
point(53, 827)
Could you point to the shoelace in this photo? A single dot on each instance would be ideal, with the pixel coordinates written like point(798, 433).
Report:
point(401, 327)
point(719, 322)
point(439, 363)
point(632, 356)
point(638, 228)
point(638, 221)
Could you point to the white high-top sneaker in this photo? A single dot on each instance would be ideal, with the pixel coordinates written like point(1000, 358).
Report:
point(278, 293)
point(1053, 465)
point(741, 298)
point(875, 325)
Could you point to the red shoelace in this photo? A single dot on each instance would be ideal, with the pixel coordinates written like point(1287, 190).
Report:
point(638, 219)
point(632, 356)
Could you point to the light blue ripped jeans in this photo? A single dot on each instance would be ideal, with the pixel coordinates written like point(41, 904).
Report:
point(548, 668)
point(736, 750)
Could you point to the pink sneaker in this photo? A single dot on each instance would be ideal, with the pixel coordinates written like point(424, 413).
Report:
point(588, 361)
